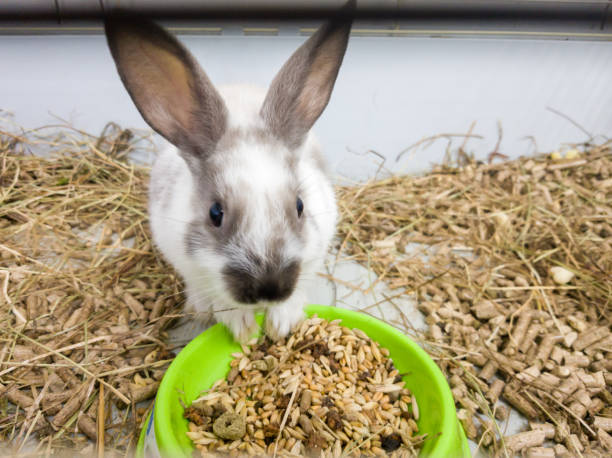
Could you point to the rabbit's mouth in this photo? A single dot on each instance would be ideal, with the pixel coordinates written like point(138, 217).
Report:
point(269, 286)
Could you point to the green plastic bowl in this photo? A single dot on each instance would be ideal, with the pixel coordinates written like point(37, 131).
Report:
point(207, 358)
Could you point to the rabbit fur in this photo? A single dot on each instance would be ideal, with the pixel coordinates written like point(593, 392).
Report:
point(240, 203)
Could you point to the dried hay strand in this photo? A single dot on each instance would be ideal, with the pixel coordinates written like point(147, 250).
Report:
point(84, 300)
point(511, 264)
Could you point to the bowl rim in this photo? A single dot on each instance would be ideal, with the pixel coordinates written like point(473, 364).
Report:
point(449, 422)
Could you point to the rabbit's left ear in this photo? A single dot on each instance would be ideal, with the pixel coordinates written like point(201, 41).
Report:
point(301, 90)
point(167, 85)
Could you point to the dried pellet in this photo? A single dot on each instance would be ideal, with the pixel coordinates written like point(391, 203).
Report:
point(139, 393)
point(562, 371)
point(488, 370)
point(527, 439)
point(578, 409)
point(53, 402)
point(590, 336)
point(88, 426)
point(549, 429)
point(546, 346)
point(519, 402)
point(604, 439)
point(604, 423)
point(485, 310)
point(530, 374)
point(540, 452)
point(501, 412)
point(520, 328)
point(561, 451)
point(567, 387)
point(530, 336)
point(17, 397)
point(507, 364)
point(576, 359)
point(573, 443)
point(70, 407)
point(467, 421)
point(495, 390)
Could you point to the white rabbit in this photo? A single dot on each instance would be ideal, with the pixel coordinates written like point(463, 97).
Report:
point(242, 206)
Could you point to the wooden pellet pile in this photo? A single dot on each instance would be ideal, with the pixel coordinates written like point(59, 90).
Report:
point(512, 265)
point(327, 390)
point(84, 301)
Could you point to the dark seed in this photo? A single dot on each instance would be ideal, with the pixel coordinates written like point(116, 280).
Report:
point(271, 430)
point(256, 355)
point(196, 416)
point(391, 442)
point(283, 401)
point(334, 420)
point(315, 443)
point(303, 344)
point(319, 349)
point(364, 376)
point(265, 345)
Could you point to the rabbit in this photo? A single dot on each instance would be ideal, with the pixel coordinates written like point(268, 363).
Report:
point(241, 204)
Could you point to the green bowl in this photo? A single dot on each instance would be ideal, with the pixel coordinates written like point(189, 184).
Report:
point(207, 359)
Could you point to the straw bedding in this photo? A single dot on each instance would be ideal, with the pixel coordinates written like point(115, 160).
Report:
point(511, 265)
point(509, 262)
point(84, 301)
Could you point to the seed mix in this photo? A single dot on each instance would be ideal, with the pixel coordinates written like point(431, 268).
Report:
point(326, 390)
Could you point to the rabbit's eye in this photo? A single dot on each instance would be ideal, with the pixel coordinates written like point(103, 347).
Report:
point(299, 205)
point(216, 214)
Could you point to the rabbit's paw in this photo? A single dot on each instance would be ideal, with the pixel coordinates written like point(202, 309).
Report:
point(241, 323)
point(280, 320)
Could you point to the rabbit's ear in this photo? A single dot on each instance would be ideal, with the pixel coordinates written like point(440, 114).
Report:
point(171, 91)
point(300, 91)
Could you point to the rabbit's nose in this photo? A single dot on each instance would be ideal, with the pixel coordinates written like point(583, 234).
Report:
point(276, 285)
point(273, 284)
point(271, 290)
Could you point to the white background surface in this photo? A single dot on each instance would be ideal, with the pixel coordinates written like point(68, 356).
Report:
point(391, 91)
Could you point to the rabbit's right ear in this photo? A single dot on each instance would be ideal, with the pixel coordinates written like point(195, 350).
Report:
point(171, 91)
point(300, 91)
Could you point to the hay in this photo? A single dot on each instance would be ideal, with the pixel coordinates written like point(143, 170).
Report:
point(511, 265)
point(84, 300)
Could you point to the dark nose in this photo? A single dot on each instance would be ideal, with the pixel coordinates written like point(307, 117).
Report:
point(271, 284)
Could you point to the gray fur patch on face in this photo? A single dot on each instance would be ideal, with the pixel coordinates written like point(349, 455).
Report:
point(260, 264)
point(201, 233)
